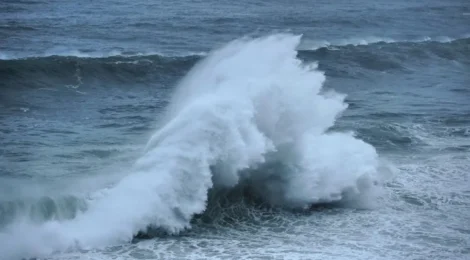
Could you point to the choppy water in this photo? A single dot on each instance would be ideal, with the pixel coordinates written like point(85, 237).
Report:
point(234, 130)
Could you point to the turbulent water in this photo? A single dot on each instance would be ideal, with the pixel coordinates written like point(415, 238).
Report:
point(234, 130)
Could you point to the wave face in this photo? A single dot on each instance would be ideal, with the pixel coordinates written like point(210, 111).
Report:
point(250, 114)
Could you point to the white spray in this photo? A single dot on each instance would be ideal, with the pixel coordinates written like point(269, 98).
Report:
point(245, 105)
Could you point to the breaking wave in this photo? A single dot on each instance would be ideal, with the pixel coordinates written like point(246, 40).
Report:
point(250, 114)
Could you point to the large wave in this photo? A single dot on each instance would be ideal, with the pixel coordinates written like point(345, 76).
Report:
point(250, 113)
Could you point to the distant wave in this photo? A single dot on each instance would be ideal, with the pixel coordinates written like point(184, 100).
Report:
point(67, 70)
point(306, 44)
point(317, 44)
point(16, 27)
point(74, 67)
point(93, 54)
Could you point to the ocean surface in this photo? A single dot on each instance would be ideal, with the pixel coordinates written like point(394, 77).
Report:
point(234, 129)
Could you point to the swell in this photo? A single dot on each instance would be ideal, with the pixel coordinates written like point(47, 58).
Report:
point(31, 72)
point(15, 27)
point(336, 60)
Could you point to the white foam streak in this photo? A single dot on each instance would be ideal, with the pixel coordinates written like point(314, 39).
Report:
point(247, 105)
point(62, 52)
point(314, 44)
point(332, 44)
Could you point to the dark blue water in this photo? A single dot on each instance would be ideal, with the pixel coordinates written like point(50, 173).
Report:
point(86, 84)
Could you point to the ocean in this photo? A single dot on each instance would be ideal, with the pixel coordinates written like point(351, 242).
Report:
point(234, 129)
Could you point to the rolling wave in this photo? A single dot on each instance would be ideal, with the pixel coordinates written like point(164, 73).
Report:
point(377, 54)
point(58, 70)
point(61, 52)
point(306, 44)
point(252, 115)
